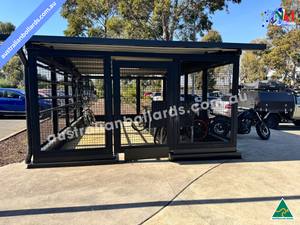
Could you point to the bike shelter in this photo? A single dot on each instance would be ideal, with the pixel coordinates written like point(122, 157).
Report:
point(112, 78)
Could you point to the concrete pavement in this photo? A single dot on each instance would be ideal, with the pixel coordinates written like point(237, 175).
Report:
point(245, 191)
point(11, 125)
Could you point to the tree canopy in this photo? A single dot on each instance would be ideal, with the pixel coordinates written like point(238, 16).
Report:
point(284, 57)
point(141, 19)
point(12, 72)
point(6, 27)
point(253, 66)
point(211, 36)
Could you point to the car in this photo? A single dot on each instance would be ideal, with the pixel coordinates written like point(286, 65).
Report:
point(154, 94)
point(12, 102)
point(148, 94)
point(216, 94)
point(191, 97)
point(157, 96)
point(60, 93)
point(221, 106)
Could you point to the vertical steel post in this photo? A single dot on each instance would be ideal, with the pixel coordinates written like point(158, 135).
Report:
point(67, 99)
point(74, 89)
point(33, 105)
point(28, 115)
point(186, 85)
point(204, 91)
point(234, 107)
point(117, 105)
point(164, 87)
point(108, 101)
point(54, 102)
point(138, 96)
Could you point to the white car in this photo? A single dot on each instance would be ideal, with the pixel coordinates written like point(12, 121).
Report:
point(196, 98)
point(221, 106)
point(157, 96)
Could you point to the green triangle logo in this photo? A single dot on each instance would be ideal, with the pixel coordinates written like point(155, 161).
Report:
point(282, 212)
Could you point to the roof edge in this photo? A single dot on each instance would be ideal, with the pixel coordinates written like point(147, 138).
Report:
point(133, 42)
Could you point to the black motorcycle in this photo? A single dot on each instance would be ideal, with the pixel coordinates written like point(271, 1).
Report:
point(221, 125)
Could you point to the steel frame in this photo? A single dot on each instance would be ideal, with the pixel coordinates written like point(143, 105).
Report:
point(174, 68)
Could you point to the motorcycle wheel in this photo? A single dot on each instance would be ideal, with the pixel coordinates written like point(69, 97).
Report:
point(263, 131)
point(217, 128)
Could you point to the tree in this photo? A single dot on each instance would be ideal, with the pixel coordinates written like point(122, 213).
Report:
point(100, 88)
point(284, 57)
point(141, 19)
point(12, 71)
point(211, 36)
point(6, 28)
point(88, 17)
point(253, 63)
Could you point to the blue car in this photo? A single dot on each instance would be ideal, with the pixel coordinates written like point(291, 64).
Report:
point(12, 102)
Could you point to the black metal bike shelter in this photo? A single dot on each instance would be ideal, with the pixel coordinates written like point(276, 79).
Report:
point(67, 78)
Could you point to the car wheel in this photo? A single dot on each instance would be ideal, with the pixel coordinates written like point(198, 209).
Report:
point(272, 121)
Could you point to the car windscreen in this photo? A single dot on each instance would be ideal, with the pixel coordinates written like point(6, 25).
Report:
point(225, 98)
point(22, 91)
point(298, 100)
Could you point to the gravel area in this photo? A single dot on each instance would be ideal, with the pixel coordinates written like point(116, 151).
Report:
point(14, 149)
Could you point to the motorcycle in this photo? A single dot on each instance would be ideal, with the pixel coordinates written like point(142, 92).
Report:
point(221, 125)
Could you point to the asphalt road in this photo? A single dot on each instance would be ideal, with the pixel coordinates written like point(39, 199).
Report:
point(10, 125)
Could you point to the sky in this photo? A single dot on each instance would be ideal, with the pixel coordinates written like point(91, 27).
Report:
point(242, 25)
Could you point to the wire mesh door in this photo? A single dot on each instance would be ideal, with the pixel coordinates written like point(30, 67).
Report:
point(206, 102)
point(71, 109)
point(140, 97)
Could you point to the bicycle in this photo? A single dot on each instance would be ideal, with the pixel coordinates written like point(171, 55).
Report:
point(199, 131)
point(88, 117)
point(141, 125)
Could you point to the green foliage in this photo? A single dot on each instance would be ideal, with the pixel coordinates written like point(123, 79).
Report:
point(212, 36)
point(6, 28)
point(99, 87)
point(88, 17)
point(284, 57)
point(13, 71)
point(6, 83)
point(128, 93)
point(211, 80)
point(141, 19)
point(253, 66)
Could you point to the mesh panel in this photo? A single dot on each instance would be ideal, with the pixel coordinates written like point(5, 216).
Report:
point(71, 96)
point(140, 88)
point(206, 119)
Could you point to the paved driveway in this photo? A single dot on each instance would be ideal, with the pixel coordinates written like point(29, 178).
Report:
point(289, 128)
point(245, 191)
point(10, 125)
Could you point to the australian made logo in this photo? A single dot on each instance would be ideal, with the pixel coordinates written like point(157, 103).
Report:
point(282, 212)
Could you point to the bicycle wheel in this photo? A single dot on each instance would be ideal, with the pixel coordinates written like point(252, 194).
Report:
point(200, 130)
point(138, 126)
point(91, 117)
point(86, 120)
point(161, 132)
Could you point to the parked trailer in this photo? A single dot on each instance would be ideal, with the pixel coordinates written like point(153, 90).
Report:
point(273, 106)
